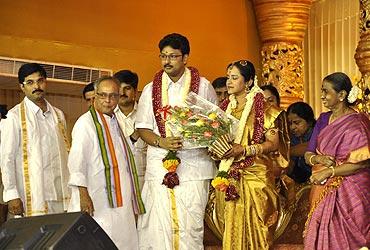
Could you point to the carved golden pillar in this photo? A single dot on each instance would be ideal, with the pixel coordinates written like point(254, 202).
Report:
point(282, 25)
point(362, 56)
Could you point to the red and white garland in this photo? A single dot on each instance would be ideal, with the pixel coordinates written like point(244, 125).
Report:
point(229, 168)
point(159, 100)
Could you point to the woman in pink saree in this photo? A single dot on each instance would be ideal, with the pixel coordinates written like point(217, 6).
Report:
point(338, 152)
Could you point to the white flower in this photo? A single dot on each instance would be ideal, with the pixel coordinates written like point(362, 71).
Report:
point(233, 102)
point(353, 94)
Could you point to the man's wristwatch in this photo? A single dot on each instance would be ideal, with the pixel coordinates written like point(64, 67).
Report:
point(133, 140)
point(156, 141)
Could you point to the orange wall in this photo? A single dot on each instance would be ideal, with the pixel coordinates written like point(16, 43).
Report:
point(117, 34)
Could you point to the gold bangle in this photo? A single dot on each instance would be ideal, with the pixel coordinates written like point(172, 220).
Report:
point(310, 160)
point(259, 149)
point(243, 153)
point(332, 171)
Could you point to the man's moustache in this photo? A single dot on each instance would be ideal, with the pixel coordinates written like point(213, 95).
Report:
point(37, 90)
point(167, 65)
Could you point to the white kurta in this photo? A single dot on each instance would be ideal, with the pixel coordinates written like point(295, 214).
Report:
point(43, 154)
point(195, 170)
point(87, 170)
point(127, 124)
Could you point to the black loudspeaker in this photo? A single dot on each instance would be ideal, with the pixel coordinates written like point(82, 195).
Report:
point(54, 231)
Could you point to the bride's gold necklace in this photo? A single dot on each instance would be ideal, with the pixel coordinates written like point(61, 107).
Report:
point(239, 108)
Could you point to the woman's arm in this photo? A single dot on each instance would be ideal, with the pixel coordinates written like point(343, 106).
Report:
point(350, 168)
point(298, 150)
point(272, 141)
point(269, 145)
point(344, 169)
point(313, 159)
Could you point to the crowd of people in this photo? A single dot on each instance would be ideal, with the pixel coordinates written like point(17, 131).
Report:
point(113, 169)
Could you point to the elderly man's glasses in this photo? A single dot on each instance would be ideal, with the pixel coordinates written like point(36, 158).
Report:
point(172, 57)
point(104, 95)
point(30, 82)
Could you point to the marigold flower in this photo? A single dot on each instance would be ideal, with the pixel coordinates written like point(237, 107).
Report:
point(170, 164)
point(212, 116)
point(199, 123)
point(220, 183)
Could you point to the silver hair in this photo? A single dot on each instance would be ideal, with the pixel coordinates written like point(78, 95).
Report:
point(105, 78)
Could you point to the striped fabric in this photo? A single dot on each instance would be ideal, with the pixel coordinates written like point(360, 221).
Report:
point(341, 219)
point(111, 169)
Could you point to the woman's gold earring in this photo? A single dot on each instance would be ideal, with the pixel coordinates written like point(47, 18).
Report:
point(246, 88)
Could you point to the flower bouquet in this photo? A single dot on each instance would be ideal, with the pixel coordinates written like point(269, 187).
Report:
point(201, 124)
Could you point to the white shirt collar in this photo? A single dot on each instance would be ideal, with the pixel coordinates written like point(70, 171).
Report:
point(117, 109)
point(180, 81)
point(34, 108)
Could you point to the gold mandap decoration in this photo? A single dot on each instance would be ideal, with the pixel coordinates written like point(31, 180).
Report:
point(282, 25)
point(362, 56)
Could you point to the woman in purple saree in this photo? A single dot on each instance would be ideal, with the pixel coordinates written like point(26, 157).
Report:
point(339, 216)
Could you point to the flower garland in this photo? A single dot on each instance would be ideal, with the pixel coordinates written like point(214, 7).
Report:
point(160, 100)
point(228, 168)
point(353, 94)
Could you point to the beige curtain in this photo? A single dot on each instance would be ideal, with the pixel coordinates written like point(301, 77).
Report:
point(330, 45)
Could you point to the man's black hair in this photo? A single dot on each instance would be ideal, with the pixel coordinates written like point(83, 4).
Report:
point(175, 41)
point(128, 77)
point(28, 69)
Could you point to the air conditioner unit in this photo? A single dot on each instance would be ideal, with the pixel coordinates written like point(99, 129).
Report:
point(60, 76)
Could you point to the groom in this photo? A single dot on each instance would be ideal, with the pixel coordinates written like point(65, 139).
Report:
point(174, 217)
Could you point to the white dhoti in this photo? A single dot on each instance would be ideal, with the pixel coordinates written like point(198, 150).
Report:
point(155, 227)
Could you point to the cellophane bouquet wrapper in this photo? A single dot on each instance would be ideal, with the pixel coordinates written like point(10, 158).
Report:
point(202, 124)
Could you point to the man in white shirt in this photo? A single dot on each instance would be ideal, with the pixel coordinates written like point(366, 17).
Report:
point(174, 217)
point(126, 111)
point(34, 150)
point(103, 174)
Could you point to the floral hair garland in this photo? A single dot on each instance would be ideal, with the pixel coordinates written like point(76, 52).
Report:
point(353, 94)
point(171, 161)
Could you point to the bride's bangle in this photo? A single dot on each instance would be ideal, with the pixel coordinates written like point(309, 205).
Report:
point(310, 160)
point(244, 152)
point(332, 171)
point(253, 150)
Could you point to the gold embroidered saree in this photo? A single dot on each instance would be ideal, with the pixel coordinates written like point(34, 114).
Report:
point(250, 221)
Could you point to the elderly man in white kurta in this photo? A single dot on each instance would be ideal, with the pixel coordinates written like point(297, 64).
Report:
point(174, 218)
point(34, 149)
point(102, 168)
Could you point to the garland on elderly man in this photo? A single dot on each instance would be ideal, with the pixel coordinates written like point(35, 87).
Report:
point(171, 161)
point(109, 168)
